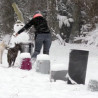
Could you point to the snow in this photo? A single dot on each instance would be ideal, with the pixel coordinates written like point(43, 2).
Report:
point(25, 55)
point(64, 20)
point(92, 38)
point(58, 67)
point(6, 38)
point(23, 37)
point(18, 26)
point(43, 57)
point(18, 83)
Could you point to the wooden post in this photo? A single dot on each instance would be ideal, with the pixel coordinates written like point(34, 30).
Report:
point(18, 12)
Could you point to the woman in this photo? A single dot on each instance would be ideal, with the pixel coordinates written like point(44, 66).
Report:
point(42, 33)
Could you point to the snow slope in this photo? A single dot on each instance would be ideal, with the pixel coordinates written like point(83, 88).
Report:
point(17, 83)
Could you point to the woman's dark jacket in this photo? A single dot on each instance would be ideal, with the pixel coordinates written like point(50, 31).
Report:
point(40, 25)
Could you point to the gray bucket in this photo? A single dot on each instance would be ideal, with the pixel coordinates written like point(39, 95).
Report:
point(43, 66)
point(27, 47)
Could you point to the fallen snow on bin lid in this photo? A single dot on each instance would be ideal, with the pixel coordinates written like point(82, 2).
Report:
point(58, 67)
point(43, 57)
point(25, 55)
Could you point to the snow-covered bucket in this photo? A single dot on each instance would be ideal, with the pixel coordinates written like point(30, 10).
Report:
point(58, 72)
point(25, 61)
point(43, 64)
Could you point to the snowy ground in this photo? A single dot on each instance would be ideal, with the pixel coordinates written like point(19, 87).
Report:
point(17, 83)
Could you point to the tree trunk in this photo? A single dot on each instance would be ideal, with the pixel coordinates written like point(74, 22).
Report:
point(6, 17)
point(76, 25)
point(52, 15)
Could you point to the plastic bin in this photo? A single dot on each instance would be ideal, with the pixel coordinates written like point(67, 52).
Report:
point(25, 60)
point(43, 64)
point(77, 66)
